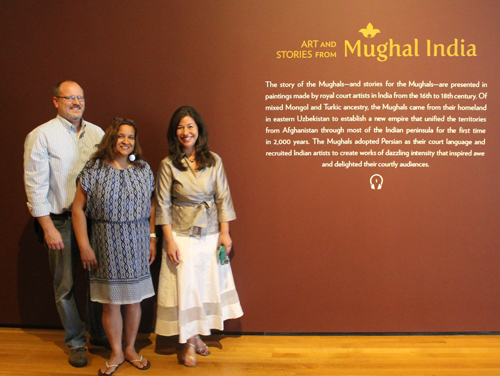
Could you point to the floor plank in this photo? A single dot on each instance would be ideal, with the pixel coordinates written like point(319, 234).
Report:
point(42, 353)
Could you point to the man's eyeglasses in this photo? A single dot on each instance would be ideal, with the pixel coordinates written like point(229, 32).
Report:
point(71, 98)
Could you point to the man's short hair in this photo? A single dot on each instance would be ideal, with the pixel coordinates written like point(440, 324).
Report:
point(57, 88)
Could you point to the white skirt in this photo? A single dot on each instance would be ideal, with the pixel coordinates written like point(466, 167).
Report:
point(198, 294)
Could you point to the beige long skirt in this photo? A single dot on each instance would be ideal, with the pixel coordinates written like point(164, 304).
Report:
point(198, 294)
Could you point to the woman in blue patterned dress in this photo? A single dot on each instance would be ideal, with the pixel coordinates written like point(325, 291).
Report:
point(115, 190)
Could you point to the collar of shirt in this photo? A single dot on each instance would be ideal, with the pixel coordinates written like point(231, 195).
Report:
point(69, 126)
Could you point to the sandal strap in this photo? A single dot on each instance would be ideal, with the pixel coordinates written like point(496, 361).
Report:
point(137, 360)
point(200, 349)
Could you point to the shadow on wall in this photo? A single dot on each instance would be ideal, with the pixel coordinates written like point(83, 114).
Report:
point(35, 288)
point(34, 282)
point(36, 294)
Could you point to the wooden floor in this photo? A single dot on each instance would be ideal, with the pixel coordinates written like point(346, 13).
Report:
point(42, 353)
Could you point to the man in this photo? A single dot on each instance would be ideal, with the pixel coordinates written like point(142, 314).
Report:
point(54, 154)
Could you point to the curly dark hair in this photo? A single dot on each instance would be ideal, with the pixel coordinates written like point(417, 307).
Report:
point(106, 149)
point(202, 149)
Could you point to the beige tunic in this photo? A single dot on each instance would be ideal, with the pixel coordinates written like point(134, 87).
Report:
point(194, 203)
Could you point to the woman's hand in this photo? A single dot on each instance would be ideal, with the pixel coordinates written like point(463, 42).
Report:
point(89, 261)
point(152, 250)
point(225, 239)
point(80, 226)
point(173, 252)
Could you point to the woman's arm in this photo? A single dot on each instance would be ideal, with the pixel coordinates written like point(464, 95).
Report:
point(163, 205)
point(172, 248)
point(80, 226)
point(223, 200)
point(225, 209)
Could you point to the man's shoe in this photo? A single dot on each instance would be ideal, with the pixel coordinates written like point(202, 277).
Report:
point(77, 357)
point(101, 342)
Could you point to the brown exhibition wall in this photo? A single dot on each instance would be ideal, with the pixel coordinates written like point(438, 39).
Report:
point(402, 93)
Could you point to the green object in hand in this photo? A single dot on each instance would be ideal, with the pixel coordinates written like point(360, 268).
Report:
point(223, 259)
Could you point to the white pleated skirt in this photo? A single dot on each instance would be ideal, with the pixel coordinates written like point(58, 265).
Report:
point(198, 294)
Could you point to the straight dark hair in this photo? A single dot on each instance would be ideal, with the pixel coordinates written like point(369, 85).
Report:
point(106, 149)
point(201, 147)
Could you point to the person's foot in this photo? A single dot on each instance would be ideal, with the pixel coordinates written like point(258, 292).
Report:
point(108, 369)
point(187, 355)
point(101, 342)
point(201, 347)
point(77, 357)
point(115, 361)
point(140, 362)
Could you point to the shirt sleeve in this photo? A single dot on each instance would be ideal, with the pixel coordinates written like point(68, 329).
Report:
point(163, 194)
point(37, 174)
point(85, 178)
point(223, 200)
point(151, 179)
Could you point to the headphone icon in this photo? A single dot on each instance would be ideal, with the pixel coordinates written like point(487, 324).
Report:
point(376, 183)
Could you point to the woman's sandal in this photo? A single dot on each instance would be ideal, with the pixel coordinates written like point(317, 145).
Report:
point(187, 360)
point(107, 367)
point(144, 367)
point(203, 351)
